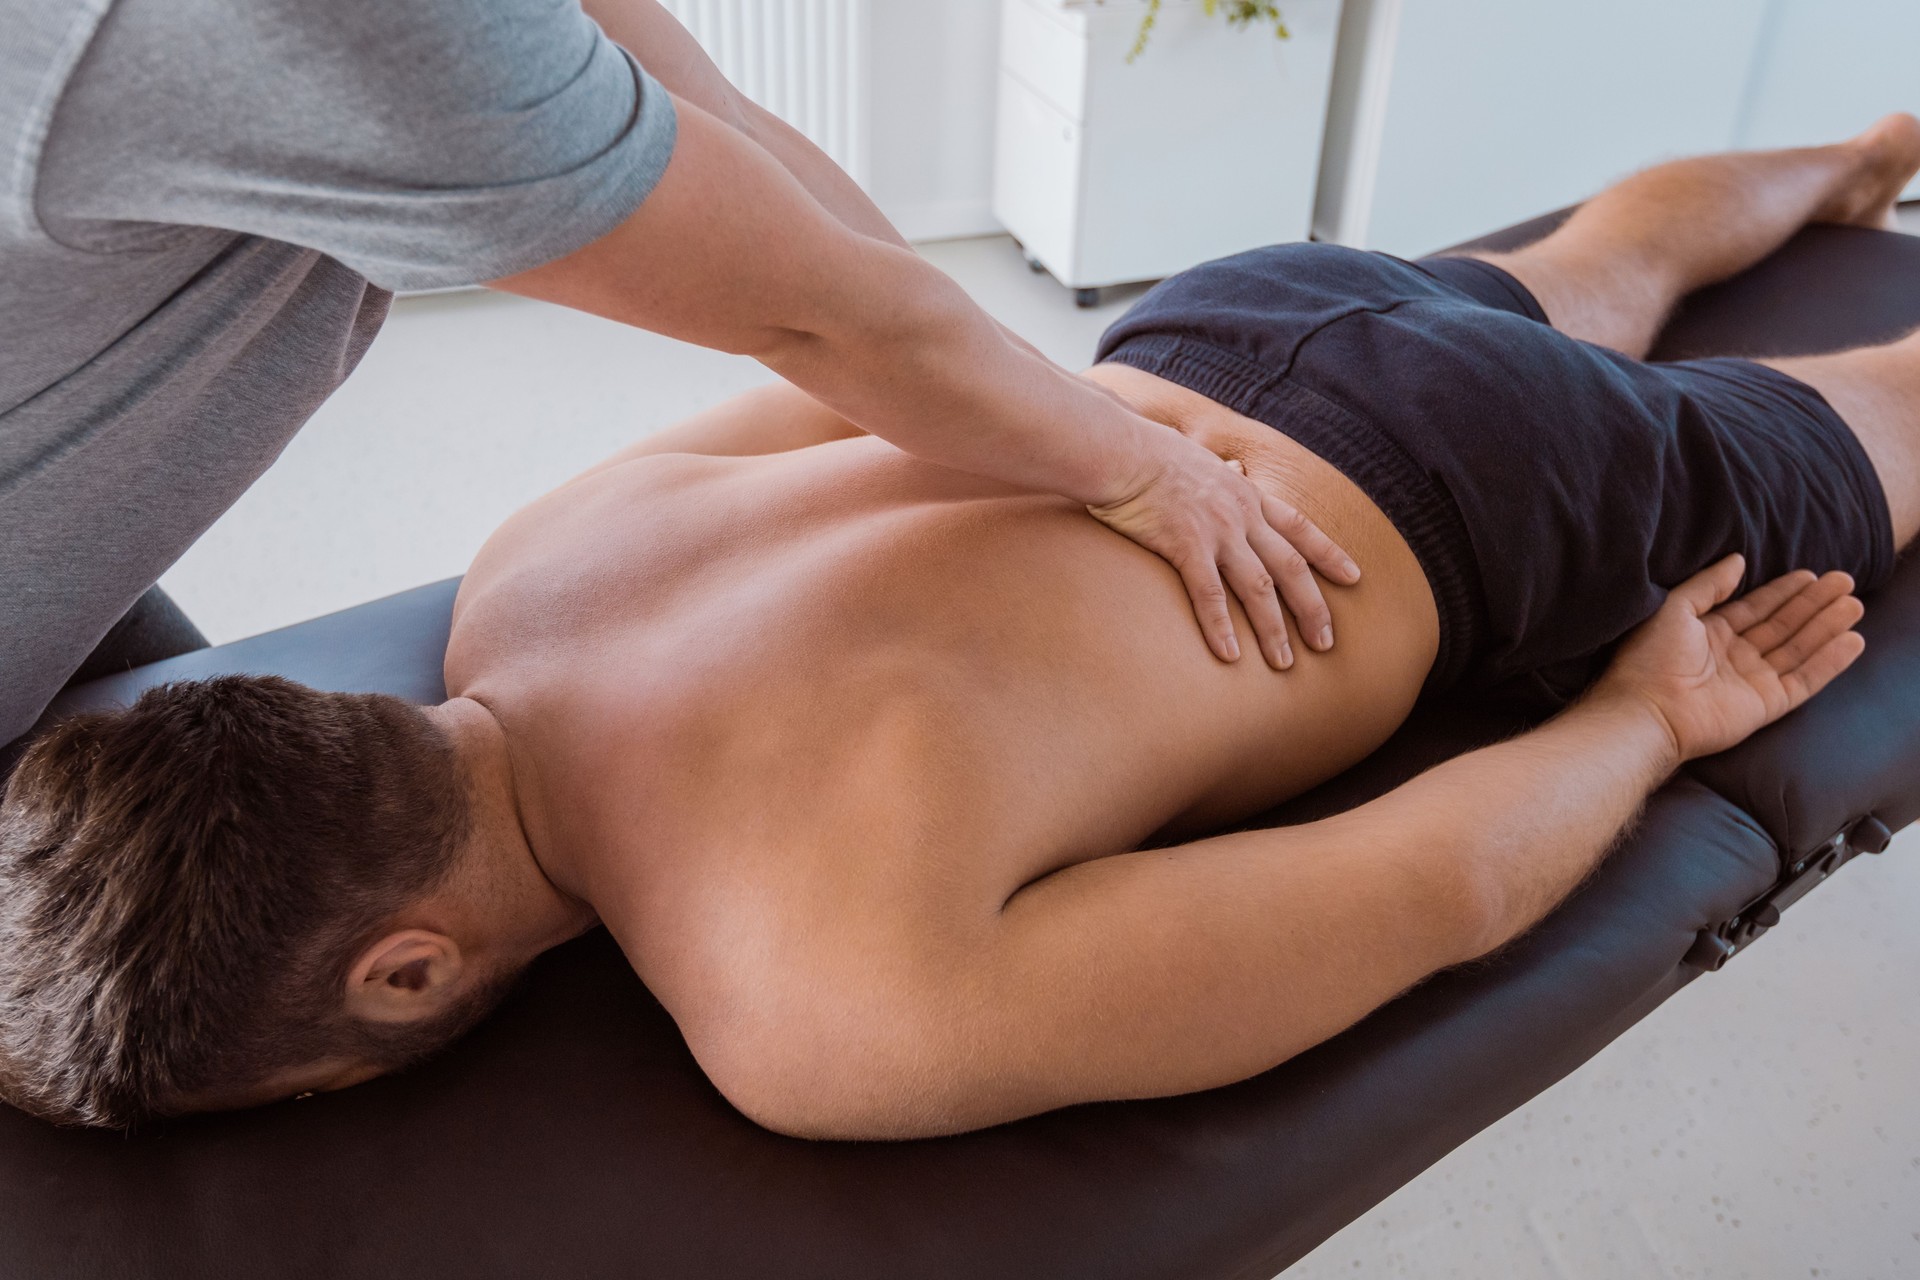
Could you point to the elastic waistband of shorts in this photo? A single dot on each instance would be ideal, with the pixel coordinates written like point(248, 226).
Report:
point(1419, 508)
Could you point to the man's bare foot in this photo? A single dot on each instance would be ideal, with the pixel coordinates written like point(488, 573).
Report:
point(1889, 156)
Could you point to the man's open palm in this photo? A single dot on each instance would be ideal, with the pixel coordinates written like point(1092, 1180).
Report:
point(1718, 669)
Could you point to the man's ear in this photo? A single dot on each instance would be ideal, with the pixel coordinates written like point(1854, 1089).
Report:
point(404, 976)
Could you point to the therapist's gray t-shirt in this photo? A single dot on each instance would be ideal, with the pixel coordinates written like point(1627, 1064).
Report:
point(203, 207)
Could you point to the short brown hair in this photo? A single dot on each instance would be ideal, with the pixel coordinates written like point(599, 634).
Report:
point(185, 883)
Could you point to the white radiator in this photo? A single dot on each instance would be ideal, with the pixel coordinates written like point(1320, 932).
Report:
point(803, 60)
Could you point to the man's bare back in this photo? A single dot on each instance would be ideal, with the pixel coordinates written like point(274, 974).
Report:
point(843, 685)
point(846, 628)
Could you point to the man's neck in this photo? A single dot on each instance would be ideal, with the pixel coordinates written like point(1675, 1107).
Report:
point(508, 896)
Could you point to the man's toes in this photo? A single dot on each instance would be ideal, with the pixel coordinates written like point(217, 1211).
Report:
point(1883, 160)
point(1890, 157)
point(1899, 135)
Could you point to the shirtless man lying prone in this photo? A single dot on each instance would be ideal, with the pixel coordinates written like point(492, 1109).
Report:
point(894, 784)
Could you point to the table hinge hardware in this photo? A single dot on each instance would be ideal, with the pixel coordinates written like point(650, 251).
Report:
point(1716, 945)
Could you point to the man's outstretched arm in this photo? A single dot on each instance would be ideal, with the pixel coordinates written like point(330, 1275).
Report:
point(776, 418)
point(1165, 971)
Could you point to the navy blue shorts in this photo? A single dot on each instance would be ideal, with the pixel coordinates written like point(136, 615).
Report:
point(1553, 490)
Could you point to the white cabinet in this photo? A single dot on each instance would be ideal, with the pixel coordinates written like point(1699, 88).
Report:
point(1209, 143)
point(1453, 117)
point(1829, 68)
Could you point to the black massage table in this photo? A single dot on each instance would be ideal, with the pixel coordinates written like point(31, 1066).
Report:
point(573, 1136)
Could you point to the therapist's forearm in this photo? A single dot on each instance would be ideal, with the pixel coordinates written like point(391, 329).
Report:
point(923, 367)
point(731, 252)
point(824, 180)
point(830, 185)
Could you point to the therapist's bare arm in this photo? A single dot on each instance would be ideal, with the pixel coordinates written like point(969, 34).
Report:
point(731, 251)
point(1170, 970)
point(672, 56)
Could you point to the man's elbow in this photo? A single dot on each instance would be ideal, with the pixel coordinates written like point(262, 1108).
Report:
point(856, 1092)
point(869, 1056)
point(1491, 907)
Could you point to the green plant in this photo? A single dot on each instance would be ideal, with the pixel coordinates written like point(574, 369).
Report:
point(1240, 13)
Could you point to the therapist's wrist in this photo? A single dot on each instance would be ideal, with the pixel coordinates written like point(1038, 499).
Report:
point(1027, 421)
point(1085, 442)
point(919, 364)
point(1137, 451)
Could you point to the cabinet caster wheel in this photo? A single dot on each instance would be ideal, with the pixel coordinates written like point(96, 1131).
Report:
point(1034, 264)
point(1084, 298)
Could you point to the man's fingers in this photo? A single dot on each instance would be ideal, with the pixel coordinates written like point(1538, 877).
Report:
point(1813, 595)
point(1254, 585)
point(1202, 579)
point(1832, 618)
point(1306, 537)
point(1759, 604)
point(1835, 656)
point(1711, 586)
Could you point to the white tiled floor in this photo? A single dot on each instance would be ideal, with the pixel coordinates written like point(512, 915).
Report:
point(1765, 1123)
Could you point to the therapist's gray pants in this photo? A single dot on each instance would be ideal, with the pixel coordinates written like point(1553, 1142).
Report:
point(153, 629)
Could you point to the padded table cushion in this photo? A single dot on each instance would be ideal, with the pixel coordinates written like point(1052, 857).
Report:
point(573, 1135)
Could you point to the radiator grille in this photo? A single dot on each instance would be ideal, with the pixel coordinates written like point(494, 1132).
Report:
point(803, 60)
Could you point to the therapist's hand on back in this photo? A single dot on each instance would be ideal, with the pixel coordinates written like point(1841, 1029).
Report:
point(1221, 533)
point(754, 242)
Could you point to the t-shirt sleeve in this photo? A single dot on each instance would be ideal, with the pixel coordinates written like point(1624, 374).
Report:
point(424, 143)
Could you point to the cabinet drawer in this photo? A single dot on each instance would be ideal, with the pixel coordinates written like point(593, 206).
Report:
point(1036, 176)
point(1045, 48)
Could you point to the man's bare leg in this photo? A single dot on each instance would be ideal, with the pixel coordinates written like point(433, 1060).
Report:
point(1614, 271)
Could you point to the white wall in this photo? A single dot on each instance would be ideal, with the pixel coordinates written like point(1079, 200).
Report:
point(1454, 117)
point(934, 69)
point(1656, 77)
point(1828, 68)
